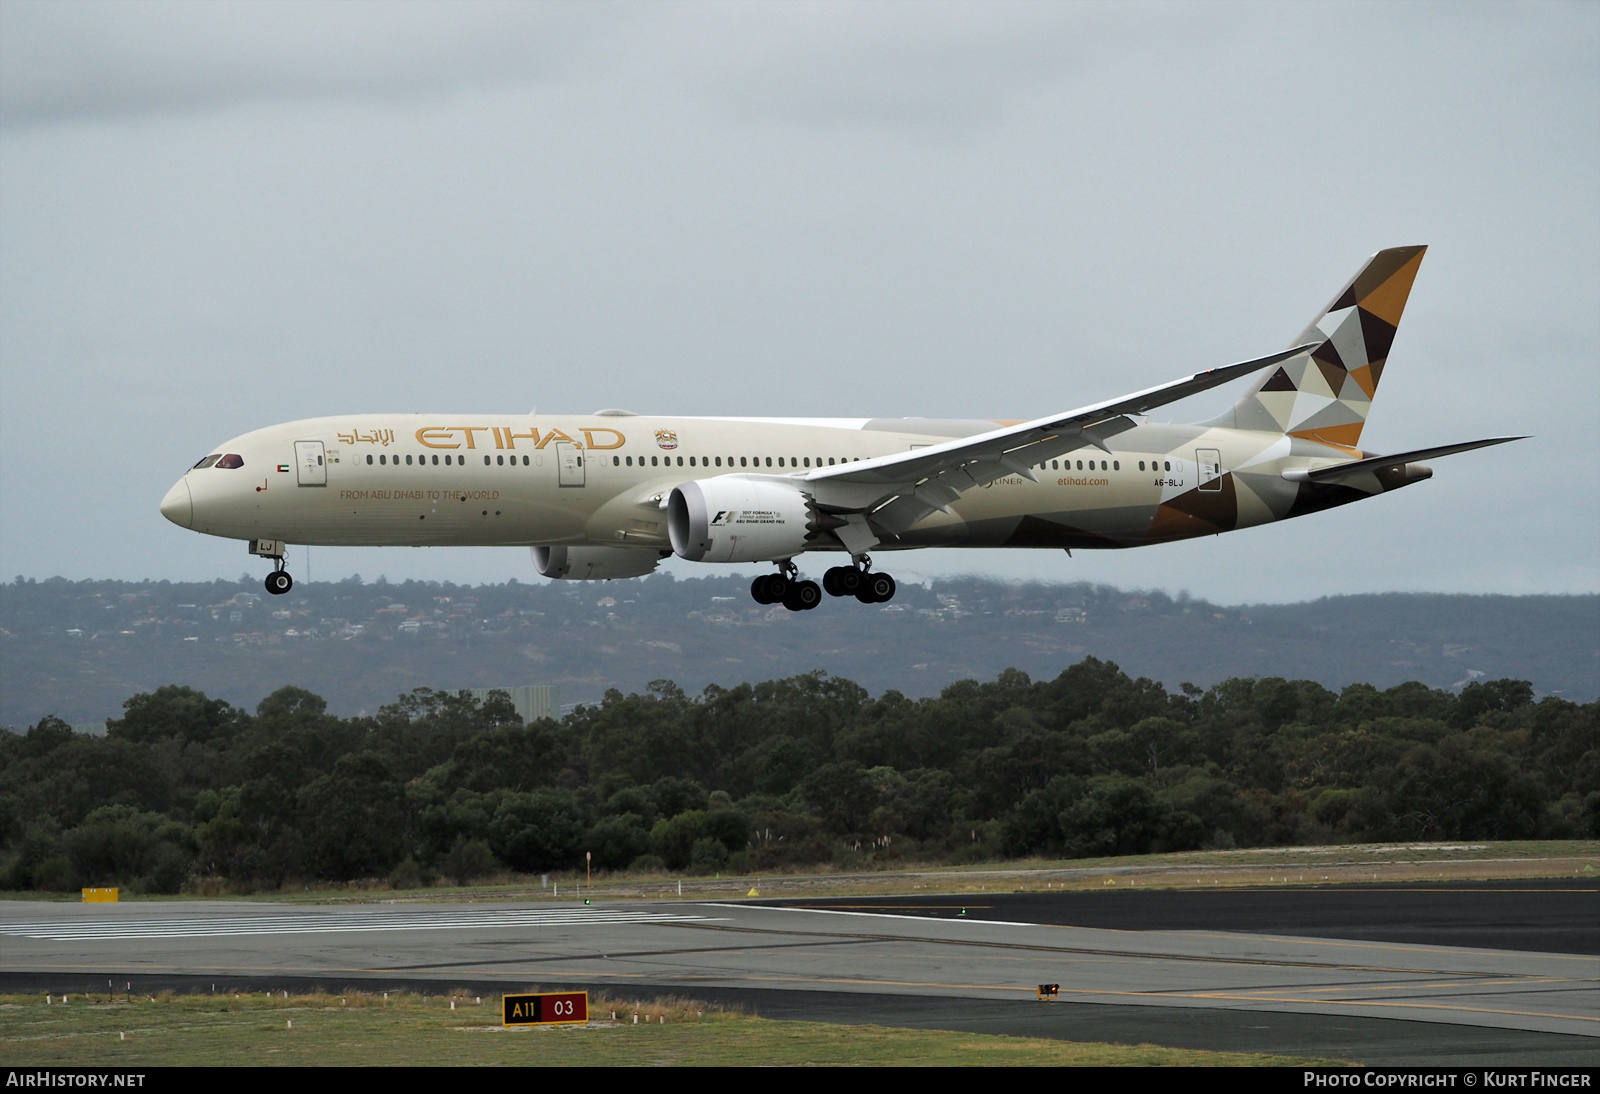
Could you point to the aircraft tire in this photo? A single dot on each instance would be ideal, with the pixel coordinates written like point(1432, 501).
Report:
point(758, 590)
point(279, 582)
point(876, 589)
point(802, 596)
point(842, 581)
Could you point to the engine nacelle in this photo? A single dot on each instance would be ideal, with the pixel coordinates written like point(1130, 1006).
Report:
point(595, 563)
point(736, 518)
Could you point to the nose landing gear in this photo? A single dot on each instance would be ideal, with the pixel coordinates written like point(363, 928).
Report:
point(278, 581)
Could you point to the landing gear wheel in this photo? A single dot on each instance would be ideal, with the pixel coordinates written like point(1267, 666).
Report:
point(802, 596)
point(279, 582)
point(770, 588)
point(842, 581)
point(875, 589)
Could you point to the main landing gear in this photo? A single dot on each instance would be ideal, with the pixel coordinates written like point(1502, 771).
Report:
point(861, 583)
point(786, 588)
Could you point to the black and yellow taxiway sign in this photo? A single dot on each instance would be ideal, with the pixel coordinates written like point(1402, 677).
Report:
point(545, 1008)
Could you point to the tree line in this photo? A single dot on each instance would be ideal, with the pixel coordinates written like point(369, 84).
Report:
point(185, 792)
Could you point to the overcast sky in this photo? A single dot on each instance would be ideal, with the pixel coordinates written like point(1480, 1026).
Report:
point(218, 217)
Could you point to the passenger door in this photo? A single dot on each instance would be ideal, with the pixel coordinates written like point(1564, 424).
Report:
point(569, 464)
point(1210, 463)
point(311, 465)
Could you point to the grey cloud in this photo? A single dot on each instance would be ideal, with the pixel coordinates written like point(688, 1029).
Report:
point(70, 62)
point(792, 209)
point(944, 66)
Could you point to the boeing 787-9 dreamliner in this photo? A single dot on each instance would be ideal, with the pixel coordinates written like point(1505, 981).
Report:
point(612, 494)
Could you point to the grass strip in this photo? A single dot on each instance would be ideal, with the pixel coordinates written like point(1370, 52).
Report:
point(369, 1030)
point(1399, 863)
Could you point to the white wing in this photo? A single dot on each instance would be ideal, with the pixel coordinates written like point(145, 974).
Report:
point(895, 492)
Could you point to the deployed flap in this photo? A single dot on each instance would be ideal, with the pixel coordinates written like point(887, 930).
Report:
point(901, 489)
point(1379, 463)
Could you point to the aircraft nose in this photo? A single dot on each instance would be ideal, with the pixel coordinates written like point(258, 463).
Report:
point(178, 506)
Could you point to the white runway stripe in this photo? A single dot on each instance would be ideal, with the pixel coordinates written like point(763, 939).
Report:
point(329, 922)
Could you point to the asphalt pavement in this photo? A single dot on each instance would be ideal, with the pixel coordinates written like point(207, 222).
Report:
point(1482, 973)
point(1541, 915)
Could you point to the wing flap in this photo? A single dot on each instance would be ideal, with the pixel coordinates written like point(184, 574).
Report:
point(901, 489)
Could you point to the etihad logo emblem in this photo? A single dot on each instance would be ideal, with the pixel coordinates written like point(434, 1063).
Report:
point(505, 437)
point(666, 438)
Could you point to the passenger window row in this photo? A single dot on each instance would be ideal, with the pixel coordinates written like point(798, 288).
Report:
point(716, 461)
point(616, 461)
point(231, 460)
point(448, 460)
point(1055, 465)
point(1115, 465)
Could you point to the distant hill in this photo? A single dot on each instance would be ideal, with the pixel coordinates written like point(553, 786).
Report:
point(78, 649)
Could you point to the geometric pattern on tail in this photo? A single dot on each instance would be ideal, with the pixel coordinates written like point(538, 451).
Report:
point(1324, 394)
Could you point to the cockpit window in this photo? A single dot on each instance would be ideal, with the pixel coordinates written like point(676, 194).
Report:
point(231, 460)
point(207, 462)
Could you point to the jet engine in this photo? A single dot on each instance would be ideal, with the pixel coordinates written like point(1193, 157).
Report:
point(738, 518)
point(594, 563)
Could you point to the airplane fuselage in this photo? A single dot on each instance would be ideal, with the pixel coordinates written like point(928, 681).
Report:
point(487, 480)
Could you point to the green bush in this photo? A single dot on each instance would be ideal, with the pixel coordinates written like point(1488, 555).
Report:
point(779, 774)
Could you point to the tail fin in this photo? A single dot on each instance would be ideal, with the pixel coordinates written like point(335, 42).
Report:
point(1324, 395)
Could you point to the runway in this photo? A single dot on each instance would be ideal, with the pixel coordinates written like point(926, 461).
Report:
point(915, 962)
point(1553, 916)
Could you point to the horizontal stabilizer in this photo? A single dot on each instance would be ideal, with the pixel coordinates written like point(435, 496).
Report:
point(1381, 463)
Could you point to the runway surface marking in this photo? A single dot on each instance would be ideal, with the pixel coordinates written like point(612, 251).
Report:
point(1382, 1003)
point(1138, 955)
point(1320, 890)
point(1547, 955)
point(330, 922)
point(874, 915)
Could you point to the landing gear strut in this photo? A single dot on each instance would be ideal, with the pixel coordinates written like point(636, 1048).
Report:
point(786, 588)
point(278, 581)
point(859, 582)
